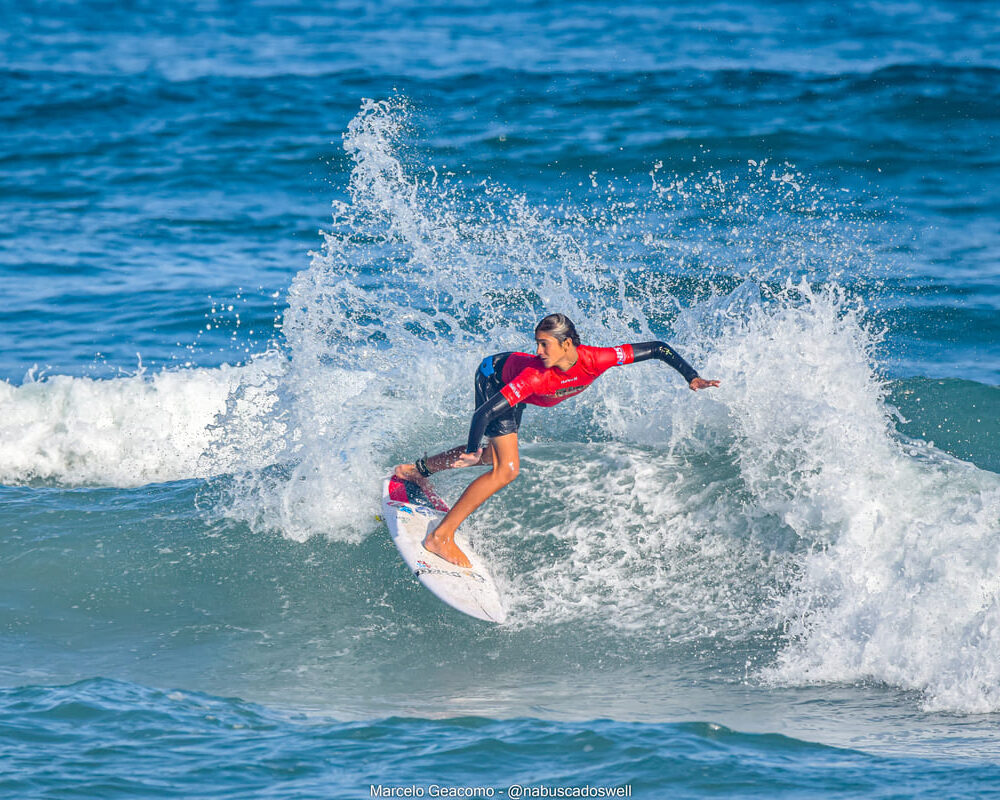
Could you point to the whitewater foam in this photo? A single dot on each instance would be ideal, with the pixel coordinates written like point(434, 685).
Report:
point(130, 431)
point(899, 583)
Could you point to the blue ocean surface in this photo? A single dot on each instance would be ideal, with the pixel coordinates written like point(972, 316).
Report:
point(251, 255)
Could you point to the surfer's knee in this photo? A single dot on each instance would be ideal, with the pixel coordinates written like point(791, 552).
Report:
point(506, 471)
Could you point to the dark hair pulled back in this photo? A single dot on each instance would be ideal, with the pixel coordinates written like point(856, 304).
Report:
point(560, 327)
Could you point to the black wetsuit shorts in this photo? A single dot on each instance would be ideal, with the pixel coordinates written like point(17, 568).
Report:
point(489, 381)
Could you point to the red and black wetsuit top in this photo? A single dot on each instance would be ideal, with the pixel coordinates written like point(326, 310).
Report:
point(527, 380)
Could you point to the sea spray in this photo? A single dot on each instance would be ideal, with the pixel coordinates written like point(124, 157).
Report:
point(422, 271)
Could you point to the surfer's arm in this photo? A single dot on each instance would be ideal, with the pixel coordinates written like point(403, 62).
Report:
point(486, 413)
point(661, 351)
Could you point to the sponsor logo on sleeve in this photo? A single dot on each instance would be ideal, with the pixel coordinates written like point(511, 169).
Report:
point(620, 354)
point(516, 390)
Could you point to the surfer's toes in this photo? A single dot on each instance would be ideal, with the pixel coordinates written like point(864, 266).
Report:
point(458, 559)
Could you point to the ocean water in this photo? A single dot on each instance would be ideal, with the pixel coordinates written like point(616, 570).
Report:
point(251, 254)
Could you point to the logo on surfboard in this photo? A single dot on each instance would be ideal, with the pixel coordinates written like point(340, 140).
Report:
point(427, 569)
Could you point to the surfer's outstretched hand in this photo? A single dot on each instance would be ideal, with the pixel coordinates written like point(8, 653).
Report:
point(701, 383)
point(468, 459)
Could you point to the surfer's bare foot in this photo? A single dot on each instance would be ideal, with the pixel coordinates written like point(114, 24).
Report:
point(447, 549)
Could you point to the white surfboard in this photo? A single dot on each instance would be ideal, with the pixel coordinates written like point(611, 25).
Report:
point(410, 513)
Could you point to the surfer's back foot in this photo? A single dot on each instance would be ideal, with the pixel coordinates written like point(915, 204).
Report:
point(447, 549)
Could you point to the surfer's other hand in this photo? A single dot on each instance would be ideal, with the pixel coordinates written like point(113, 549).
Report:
point(701, 383)
point(468, 459)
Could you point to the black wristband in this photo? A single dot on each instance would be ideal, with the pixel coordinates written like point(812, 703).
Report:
point(422, 468)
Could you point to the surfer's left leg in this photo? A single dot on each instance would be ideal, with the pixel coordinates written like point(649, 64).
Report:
point(506, 463)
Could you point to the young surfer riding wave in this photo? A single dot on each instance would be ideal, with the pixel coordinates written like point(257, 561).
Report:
point(505, 383)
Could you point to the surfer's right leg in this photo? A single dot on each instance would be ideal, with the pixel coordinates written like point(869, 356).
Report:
point(506, 464)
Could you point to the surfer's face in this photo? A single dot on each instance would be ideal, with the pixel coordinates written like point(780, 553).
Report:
point(553, 352)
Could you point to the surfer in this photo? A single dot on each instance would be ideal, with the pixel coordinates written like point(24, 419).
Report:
point(505, 383)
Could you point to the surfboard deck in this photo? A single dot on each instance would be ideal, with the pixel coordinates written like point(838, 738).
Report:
point(409, 513)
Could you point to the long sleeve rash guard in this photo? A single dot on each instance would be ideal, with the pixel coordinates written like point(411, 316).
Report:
point(527, 380)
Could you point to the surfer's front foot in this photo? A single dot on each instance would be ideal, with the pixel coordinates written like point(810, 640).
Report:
point(447, 549)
